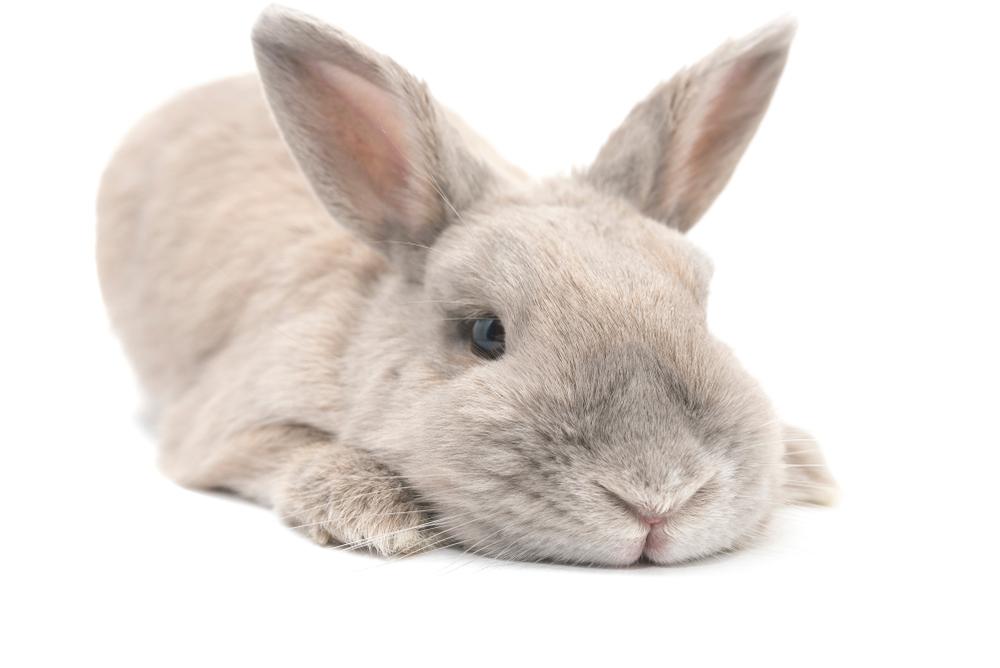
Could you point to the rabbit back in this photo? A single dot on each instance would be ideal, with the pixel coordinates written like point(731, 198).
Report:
point(208, 234)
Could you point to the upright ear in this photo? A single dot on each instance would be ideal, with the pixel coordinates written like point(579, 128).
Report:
point(378, 151)
point(679, 146)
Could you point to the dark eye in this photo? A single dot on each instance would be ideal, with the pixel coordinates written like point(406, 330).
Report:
point(488, 337)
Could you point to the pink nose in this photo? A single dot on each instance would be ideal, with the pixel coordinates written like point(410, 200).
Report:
point(649, 517)
point(651, 520)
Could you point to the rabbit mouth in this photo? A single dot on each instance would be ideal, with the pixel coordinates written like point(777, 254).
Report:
point(648, 548)
point(655, 542)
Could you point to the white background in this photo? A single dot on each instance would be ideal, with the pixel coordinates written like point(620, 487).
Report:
point(856, 276)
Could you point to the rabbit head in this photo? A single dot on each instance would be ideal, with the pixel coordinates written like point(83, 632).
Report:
point(536, 361)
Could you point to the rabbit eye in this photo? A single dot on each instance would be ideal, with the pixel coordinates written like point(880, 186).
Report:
point(488, 337)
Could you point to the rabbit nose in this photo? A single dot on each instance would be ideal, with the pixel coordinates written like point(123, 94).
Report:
point(653, 520)
point(643, 512)
point(646, 514)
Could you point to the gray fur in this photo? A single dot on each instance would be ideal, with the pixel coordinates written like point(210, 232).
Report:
point(317, 364)
point(677, 149)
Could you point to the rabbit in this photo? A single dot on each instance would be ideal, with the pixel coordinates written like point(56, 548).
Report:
point(343, 304)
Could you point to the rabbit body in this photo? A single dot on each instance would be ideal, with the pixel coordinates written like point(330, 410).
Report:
point(295, 304)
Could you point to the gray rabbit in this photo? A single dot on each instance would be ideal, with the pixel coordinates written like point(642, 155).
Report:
point(345, 305)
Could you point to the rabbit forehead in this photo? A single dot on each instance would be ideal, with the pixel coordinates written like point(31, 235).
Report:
point(522, 259)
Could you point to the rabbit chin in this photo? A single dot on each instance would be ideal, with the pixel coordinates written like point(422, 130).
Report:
point(666, 545)
point(662, 549)
point(657, 547)
point(649, 545)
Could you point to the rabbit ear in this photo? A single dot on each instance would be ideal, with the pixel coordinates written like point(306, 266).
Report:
point(373, 143)
point(678, 147)
point(807, 480)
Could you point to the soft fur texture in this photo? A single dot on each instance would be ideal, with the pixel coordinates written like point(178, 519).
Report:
point(303, 338)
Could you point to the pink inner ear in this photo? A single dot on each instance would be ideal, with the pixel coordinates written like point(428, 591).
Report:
point(730, 104)
point(735, 110)
point(369, 129)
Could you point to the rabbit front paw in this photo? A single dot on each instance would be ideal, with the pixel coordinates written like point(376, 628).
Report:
point(348, 498)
